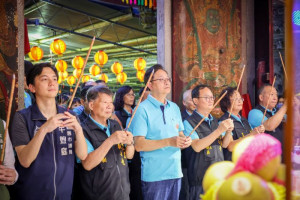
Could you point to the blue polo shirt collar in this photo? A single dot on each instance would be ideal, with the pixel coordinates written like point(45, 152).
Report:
point(208, 119)
point(273, 111)
point(101, 126)
point(188, 113)
point(128, 113)
point(238, 118)
point(37, 115)
point(157, 103)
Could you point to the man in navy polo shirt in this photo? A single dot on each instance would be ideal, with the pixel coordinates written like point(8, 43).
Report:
point(208, 139)
point(46, 138)
point(157, 127)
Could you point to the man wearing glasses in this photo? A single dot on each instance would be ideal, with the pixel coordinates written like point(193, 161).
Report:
point(157, 128)
point(208, 139)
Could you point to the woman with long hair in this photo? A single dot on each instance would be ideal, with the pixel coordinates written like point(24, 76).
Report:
point(124, 103)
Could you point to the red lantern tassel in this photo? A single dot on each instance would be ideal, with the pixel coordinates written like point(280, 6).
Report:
point(154, 4)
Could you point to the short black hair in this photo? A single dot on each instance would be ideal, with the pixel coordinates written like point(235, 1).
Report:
point(196, 92)
point(37, 70)
point(76, 100)
point(94, 92)
point(99, 81)
point(84, 91)
point(225, 103)
point(27, 67)
point(155, 68)
point(119, 97)
point(142, 89)
point(261, 89)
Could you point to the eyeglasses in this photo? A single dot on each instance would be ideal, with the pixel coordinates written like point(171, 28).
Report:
point(163, 80)
point(238, 99)
point(208, 98)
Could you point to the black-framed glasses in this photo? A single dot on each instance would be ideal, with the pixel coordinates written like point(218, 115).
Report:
point(208, 98)
point(163, 80)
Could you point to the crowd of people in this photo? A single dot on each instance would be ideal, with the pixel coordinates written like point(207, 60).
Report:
point(91, 152)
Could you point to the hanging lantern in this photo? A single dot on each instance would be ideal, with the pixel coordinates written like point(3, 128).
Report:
point(95, 70)
point(101, 58)
point(103, 77)
point(58, 46)
point(116, 68)
point(61, 65)
point(63, 75)
point(36, 53)
point(140, 75)
point(85, 78)
point(78, 62)
point(122, 77)
point(77, 73)
point(71, 80)
point(139, 64)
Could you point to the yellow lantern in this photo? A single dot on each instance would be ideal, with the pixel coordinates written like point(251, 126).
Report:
point(63, 75)
point(122, 77)
point(95, 70)
point(36, 53)
point(85, 78)
point(61, 65)
point(103, 77)
point(78, 62)
point(116, 68)
point(77, 73)
point(58, 46)
point(71, 80)
point(139, 64)
point(140, 75)
point(101, 58)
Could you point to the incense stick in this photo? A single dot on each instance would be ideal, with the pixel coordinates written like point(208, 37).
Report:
point(81, 74)
point(8, 117)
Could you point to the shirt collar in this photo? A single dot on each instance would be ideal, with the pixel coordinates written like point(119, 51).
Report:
point(37, 115)
point(188, 113)
point(101, 126)
point(273, 111)
point(238, 118)
point(207, 119)
point(128, 113)
point(157, 103)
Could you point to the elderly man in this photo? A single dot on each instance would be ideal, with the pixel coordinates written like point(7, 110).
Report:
point(104, 173)
point(273, 119)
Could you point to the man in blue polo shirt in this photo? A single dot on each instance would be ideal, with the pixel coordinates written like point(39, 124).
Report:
point(157, 128)
point(46, 138)
point(273, 121)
